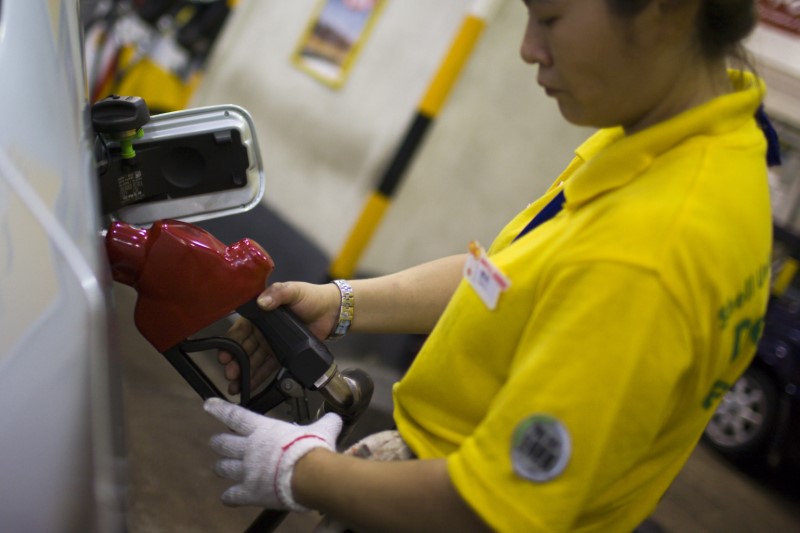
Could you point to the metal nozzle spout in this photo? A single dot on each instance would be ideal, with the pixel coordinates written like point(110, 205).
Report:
point(348, 393)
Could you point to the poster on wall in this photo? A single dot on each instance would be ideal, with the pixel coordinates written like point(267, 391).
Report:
point(334, 37)
point(783, 14)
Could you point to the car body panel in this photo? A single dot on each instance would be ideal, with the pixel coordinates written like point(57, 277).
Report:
point(779, 356)
point(63, 457)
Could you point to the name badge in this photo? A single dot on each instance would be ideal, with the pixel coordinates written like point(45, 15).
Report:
point(484, 277)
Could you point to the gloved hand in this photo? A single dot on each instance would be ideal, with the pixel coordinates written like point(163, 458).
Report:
point(262, 452)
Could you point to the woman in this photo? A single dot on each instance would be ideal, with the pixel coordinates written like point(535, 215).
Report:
point(571, 368)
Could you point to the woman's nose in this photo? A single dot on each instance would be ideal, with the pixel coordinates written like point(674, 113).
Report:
point(534, 49)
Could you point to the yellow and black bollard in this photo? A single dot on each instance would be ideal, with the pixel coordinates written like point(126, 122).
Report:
point(479, 14)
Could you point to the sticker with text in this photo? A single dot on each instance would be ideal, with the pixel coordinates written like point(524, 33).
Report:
point(540, 448)
point(484, 277)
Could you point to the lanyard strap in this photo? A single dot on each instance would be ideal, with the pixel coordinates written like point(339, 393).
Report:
point(773, 145)
point(549, 211)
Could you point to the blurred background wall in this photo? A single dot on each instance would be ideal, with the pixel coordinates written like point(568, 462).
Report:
point(497, 144)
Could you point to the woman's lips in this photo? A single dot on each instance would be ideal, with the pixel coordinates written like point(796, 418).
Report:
point(549, 91)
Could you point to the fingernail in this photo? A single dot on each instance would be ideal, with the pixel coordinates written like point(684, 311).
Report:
point(264, 301)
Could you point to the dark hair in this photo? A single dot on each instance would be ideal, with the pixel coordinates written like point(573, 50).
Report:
point(721, 24)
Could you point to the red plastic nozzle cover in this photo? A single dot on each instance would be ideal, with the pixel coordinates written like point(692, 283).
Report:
point(185, 278)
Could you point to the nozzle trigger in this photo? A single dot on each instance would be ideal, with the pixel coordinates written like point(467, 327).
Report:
point(178, 356)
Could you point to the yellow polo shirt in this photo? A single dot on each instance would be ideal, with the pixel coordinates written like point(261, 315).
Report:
point(575, 402)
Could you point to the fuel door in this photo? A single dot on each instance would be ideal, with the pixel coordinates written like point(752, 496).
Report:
point(191, 165)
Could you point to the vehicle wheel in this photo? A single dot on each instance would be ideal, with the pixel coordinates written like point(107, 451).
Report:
point(744, 419)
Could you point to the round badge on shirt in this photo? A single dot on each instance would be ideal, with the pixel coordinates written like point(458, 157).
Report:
point(540, 448)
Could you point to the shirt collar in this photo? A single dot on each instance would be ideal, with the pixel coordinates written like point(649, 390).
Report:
point(611, 159)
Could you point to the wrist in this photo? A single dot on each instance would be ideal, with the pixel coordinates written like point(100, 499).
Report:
point(307, 475)
point(346, 310)
point(286, 473)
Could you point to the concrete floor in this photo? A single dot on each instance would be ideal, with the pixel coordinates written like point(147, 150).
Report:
point(172, 487)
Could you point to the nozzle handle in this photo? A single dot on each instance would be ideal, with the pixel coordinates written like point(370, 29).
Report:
point(178, 356)
point(303, 355)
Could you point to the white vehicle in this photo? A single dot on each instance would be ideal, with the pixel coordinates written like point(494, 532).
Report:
point(62, 462)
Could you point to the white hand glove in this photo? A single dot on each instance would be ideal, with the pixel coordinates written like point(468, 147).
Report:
point(262, 453)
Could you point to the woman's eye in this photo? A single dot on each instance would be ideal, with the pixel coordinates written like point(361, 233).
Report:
point(547, 22)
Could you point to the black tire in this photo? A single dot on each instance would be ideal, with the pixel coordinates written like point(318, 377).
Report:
point(745, 418)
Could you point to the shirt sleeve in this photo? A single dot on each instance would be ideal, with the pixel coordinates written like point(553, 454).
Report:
point(597, 365)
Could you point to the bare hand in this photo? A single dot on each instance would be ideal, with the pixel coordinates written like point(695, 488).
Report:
point(263, 363)
point(316, 305)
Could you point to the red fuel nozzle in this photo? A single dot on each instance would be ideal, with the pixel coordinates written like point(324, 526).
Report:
point(186, 279)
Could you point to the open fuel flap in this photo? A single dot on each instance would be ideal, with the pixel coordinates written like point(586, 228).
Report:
point(192, 165)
